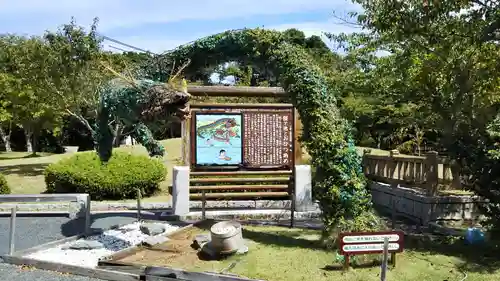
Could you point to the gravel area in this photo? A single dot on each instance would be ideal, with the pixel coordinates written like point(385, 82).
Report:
point(109, 242)
point(33, 231)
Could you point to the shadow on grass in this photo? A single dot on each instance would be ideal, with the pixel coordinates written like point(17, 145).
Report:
point(483, 258)
point(293, 238)
point(29, 170)
point(12, 156)
point(355, 265)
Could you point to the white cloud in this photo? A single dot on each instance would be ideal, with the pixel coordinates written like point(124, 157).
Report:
point(35, 16)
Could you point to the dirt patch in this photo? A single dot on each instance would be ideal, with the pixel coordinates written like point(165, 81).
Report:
point(177, 252)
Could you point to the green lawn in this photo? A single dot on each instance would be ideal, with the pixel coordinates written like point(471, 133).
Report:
point(280, 254)
point(24, 173)
point(283, 254)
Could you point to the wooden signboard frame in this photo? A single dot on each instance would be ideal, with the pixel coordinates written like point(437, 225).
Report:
point(372, 241)
point(189, 139)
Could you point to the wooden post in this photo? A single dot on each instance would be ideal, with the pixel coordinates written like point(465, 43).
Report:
point(297, 129)
point(394, 184)
point(13, 214)
point(185, 134)
point(365, 163)
point(383, 271)
point(393, 259)
point(432, 180)
point(297, 160)
point(292, 202)
point(88, 215)
point(139, 205)
point(203, 205)
point(455, 174)
point(346, 262)
point(393, 168)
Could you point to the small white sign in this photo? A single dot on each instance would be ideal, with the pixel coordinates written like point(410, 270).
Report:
point(369, 247)
point(370, 238)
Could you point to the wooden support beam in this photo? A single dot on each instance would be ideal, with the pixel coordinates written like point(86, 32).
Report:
point(238, 195)
point(236, 91)
point(153, 271)
point(238, 180)
point(238, 187)
point(261, 106)
point(240, 173)
point(298, 131)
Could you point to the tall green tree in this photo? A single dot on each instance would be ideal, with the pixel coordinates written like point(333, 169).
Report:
point(7, 89)
point(443, 59)
point(24, 61)
point(75, 72)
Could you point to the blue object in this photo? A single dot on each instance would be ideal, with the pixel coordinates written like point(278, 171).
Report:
point(474, 236)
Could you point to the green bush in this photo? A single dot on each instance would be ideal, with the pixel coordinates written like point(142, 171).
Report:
point(4, 187)
point(117, 179)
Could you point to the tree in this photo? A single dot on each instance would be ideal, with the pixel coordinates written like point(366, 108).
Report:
point(75, 72)
point(25, 61)
point(443, 59)
point(6, 112)
point(79, 67)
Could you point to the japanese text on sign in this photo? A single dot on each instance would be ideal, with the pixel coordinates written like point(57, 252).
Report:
point(267, 138)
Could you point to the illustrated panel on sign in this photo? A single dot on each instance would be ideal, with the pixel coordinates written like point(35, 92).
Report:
point(218, 139)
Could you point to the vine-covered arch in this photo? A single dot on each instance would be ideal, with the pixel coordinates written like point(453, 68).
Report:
point(338, 182)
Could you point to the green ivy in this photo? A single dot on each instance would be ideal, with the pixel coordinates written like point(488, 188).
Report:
point(133, 103)
point(338, 182)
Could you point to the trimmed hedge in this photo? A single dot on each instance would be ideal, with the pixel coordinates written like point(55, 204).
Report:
point(4, 186)
point(117, 179)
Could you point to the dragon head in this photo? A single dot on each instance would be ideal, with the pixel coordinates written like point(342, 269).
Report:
point(164, 100)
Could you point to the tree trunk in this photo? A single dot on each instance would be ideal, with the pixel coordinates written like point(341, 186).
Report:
point(28, 134)
point(34, 144)
point(6, 139)
point(118, 130)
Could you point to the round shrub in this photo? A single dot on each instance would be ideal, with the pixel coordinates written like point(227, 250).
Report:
point(117, 179)
point(4, 187)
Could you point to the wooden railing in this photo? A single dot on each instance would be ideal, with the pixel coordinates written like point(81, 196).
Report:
point(428, 172)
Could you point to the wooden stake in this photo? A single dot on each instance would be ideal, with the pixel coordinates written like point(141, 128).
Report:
point(393, 259)
point(139, 205)
point(346, 262)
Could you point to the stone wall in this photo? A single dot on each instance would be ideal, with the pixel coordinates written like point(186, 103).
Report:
point(417, 206)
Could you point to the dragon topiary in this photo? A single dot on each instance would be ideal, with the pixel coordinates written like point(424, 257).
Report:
point(339, 184)
point(134, 103)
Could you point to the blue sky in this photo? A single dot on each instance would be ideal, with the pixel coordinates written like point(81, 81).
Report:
point(159, 25)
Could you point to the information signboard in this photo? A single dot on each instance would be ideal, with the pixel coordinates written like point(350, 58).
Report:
point(358, 243)
point(370, 242)
point(260, 137)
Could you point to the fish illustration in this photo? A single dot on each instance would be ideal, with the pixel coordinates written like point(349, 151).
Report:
point(220, 130)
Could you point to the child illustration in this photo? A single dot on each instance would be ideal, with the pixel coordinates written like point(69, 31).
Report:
point(222, 155)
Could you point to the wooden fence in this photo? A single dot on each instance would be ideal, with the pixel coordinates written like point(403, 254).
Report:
point(429, 172)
